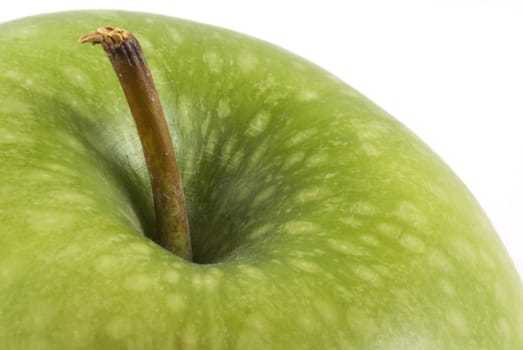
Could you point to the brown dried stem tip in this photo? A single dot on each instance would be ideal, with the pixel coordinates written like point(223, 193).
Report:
point(107, 36)
point(126, 56)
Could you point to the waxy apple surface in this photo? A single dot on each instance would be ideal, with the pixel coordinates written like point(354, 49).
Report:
point(318, 220)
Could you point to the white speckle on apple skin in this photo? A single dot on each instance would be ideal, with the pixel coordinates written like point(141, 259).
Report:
point(307, 322)
point(254, 333)
point(14, 75)
point(264, 195)
point(72, 198)
point(299, 66)
point(61, 170)
point(171, 276)
point(229, 147)
point(373, 130)
point(388, 230)
point(305, 266)
point(488, 260)
point(175, 302)
point(253, 162)
point(412, 243)
point(326, 311)
point(258, 123)
point(118, 328)
point(175, 35)
point(351, 221)
point(447, 287)
point(5, 272)
point(367, 274)
point(464, 249)
point(252, 272)
point(106, 264)
point(190, 337)
point(197, 281)
point(316, 160)
point(224, 108)
point(140, 248)
point(38, 316)
point(410, 214)
point(184, 115)
point(364, 209)
point(138, 282)
point(235, 161)
point(370, 149)
point(370, 240)
point(457, 321)
point(261, 231)
point(307, 95)
point(339, 246)
point(212, 141)
point(302, 136)
point(437, 191)
point(79, 79)
point(210, 282)
point(306, 253)
point(14, 106)
point(504, 327)
point(329, 176)
point(7, 137)
point(362, 321)
point(301, 227)
point(440, 261)
point(347, 248)
point(311, 194)
point(500, 293)
point(214, 61)
point(247, 62)
point(293, 160)
point(383, 270)
point(49, 220)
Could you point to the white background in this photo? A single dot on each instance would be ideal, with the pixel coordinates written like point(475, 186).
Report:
point(451, 70)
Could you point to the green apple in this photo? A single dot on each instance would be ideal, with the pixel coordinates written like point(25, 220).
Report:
point(318, 221)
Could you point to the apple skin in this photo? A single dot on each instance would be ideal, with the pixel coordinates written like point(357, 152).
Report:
point(318, 220)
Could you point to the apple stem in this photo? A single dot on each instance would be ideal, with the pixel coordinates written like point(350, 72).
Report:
point(126, 56)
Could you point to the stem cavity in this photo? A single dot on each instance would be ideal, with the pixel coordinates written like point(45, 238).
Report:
point(126, 56)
